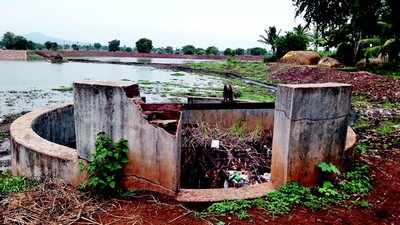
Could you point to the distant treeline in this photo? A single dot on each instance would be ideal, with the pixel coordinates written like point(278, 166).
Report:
point(143, 45)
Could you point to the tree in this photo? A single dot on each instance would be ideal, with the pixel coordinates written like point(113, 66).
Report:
point(257, 51)
point(188, 50)
point(113, 45)
point(212, 50)
point(229, 52)
point(270, 38)
point(144, 45)
point(200, 51)
point(97, 46)
point(51, 45)
point(239, 51)
point(21, 43)
point(8, 40)
point(75, 47)
point(292, 41)
point(350, 22)
point(128, 49)
point(169, 50)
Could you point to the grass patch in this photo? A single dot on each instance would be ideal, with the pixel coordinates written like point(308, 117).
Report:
point(63, 89)
point(354, 183)
point(387, 128)
point(32, 56)
point(359, 101)
point(362, 148)
point(362, 123)
point(390, 105)
point(11, 184)
point(178, 75)
point(252, 70)
point(3, 136)
point(362, 203)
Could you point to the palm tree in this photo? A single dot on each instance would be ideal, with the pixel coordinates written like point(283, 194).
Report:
point(270, 38)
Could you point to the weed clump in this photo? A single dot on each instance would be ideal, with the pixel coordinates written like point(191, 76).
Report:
point(105, 170)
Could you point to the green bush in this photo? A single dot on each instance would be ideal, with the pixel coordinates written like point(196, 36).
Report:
point(11, 184)
point(188, 50)
point(290, 42)
point(237, 207)
point(105, 170)
point(144, 45)
point(212, 50)
point(257, 51)
point(229, 52)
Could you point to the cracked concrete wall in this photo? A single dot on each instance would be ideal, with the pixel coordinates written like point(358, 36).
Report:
point(228, 117)
point(310, 127)
point(109, 107)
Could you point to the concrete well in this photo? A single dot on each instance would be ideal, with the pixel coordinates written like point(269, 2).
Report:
point(43, 141)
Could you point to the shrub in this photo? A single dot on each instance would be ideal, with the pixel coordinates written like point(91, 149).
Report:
point(105, 170)
point(239, 51)
point(188, 50)
point(290, 42)
point(229, 52)
point(257, 51)
point(11, 184)
point(212, 50)
point(144, 45)
point(345, 53)
point(238, 208)
point(113, 45)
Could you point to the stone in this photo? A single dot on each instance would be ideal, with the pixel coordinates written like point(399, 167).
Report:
point(301, 58)
point(328, 62)
point(310, 127)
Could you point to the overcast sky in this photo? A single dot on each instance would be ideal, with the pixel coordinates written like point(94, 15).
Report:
point(223, 23)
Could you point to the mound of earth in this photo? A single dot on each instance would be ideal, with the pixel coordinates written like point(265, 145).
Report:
point(375, 86)
point(328, 62)
point(301, 58)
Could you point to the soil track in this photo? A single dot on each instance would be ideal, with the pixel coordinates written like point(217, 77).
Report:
point(375, 86)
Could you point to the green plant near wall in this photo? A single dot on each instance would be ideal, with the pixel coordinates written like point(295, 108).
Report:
point(11, 184)
point(355, 183)
point(105, 170)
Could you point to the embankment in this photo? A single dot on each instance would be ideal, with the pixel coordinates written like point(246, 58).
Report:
point(141, 55)
point(13, 55)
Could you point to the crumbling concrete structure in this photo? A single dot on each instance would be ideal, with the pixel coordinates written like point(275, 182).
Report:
point(310, 128)
point(43, 142)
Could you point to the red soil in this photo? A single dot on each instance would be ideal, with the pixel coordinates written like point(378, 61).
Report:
point(375, 86)
point(384, 198)
point(142, 55)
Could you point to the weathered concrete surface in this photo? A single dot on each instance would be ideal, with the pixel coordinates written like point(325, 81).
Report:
point(13, 55)
point(310, 127)
point(226, 118)
point(36, 157)
point(57, 126)
point(109, 107)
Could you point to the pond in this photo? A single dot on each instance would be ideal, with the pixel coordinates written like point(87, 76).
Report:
point(28, 85)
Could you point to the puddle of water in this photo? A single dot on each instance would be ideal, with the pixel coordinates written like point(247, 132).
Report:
point(28, 85)
point(147, 60)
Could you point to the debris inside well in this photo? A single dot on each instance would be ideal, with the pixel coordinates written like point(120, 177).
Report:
point(215, 157)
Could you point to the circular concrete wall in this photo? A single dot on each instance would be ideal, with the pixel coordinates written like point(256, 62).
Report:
point(39, 145)
point(42, 147)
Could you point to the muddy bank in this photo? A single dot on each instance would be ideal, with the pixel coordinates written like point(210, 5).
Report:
point(13, 55)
